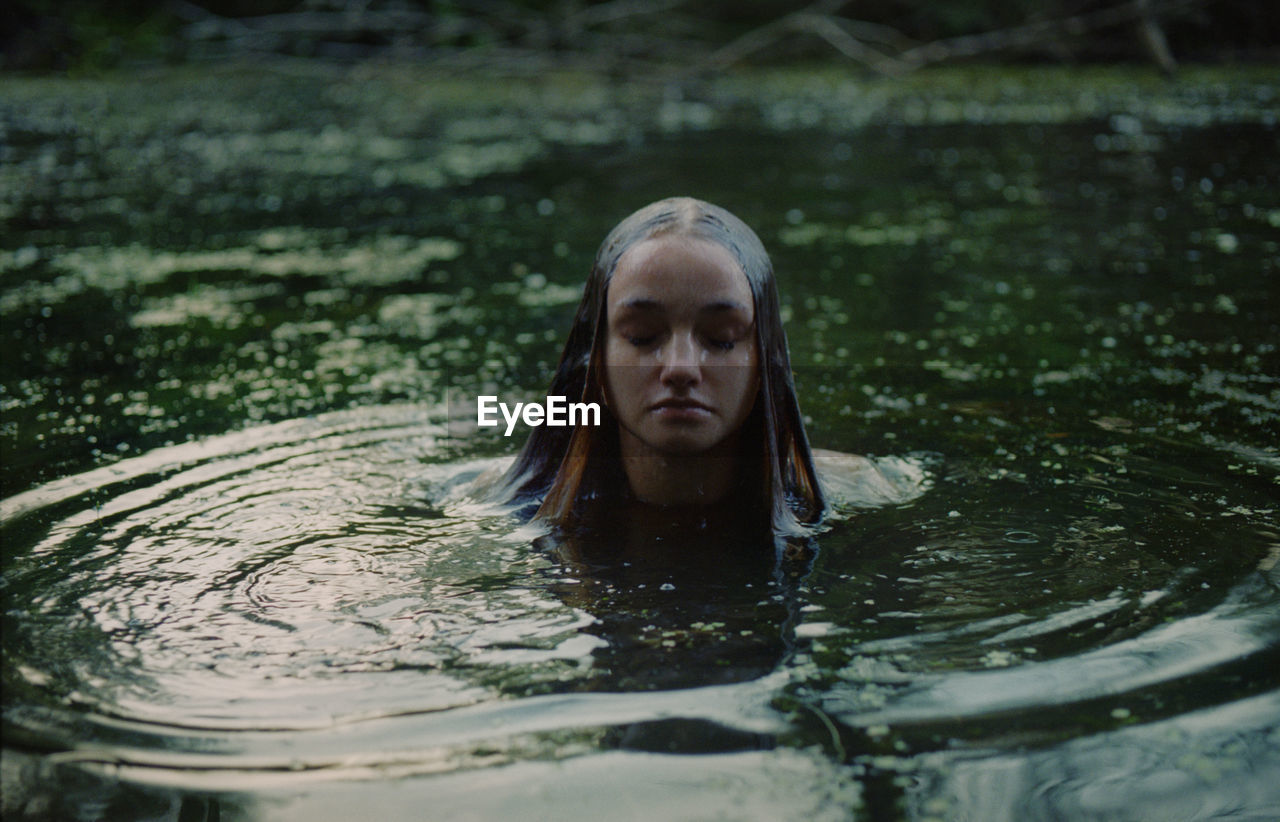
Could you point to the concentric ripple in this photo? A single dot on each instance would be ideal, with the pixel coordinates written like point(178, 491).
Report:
point(307, 604)
point(264, 579)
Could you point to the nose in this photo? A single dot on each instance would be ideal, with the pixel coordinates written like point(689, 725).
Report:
point(680, 364)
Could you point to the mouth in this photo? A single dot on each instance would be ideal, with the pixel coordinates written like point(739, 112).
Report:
point(679, 405)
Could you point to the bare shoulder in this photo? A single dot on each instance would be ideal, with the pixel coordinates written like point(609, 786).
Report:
point(487, 482)
point(826, 461)
point(464, 483)
point(851, 481)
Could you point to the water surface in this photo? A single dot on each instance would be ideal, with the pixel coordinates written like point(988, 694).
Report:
point(243, 313)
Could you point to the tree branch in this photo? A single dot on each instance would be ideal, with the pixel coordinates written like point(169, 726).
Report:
point(820, 20)
point(1035, 33)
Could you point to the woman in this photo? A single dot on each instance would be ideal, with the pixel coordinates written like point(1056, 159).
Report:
point(678, 337)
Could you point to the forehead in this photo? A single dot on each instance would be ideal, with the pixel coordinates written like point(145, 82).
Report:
point(679, 271)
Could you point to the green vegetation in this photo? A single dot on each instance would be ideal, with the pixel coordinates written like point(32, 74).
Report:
point(638, 37)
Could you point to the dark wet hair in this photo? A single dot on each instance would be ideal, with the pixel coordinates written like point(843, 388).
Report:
point(571, 469)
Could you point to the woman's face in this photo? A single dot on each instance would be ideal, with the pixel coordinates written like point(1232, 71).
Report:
point(680, 363)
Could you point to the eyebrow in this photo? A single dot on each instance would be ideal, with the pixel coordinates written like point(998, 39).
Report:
point(650, 304)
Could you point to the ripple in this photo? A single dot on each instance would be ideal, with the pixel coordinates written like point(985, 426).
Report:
point(313, 602)
point(291, 573)
point(987, 619)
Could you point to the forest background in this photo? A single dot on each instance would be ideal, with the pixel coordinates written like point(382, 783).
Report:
point(632, 38)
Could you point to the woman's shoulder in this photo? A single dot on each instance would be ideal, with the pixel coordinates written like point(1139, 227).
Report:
point(853, 481)
point(469, 482)
point(486, 483)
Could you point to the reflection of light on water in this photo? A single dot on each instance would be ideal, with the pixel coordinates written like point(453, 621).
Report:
point(1209, 764)
point(1062, 618)
point(319, 601)
point(295, 575)
point(1243, 626)
point(252, 570)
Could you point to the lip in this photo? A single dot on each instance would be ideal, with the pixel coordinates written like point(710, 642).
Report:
point(679, 406)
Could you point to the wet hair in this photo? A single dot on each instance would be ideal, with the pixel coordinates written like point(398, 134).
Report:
point(574, 470)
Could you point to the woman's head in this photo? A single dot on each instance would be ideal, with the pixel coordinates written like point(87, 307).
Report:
point(679, 336)
point(680, 372)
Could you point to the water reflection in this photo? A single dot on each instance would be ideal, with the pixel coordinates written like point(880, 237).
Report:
point(682, 599)
point(314, 601)
point(1208, 764)
point(1068, 305)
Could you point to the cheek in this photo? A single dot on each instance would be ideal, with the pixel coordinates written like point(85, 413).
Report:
point(618, 384)
point(752, 390)
point(741, 385)
point(617, 352)
point(613, 371)
point(749, 369)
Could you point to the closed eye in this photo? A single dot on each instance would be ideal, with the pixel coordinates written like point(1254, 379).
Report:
point(725, 336)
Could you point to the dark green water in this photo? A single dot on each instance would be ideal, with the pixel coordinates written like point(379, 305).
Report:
point(242, 314)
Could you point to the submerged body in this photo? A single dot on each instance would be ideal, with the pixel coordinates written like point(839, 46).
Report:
point(849, 483)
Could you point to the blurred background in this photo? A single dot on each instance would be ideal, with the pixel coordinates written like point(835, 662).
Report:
point(882, 36)
point(252, 253)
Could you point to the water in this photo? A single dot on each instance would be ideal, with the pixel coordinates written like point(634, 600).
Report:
point(240, 311)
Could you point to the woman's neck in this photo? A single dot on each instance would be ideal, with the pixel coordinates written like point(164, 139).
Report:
point(678, 479)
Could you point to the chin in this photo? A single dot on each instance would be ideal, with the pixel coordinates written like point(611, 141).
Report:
point(680, 449)
point(682, 445)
